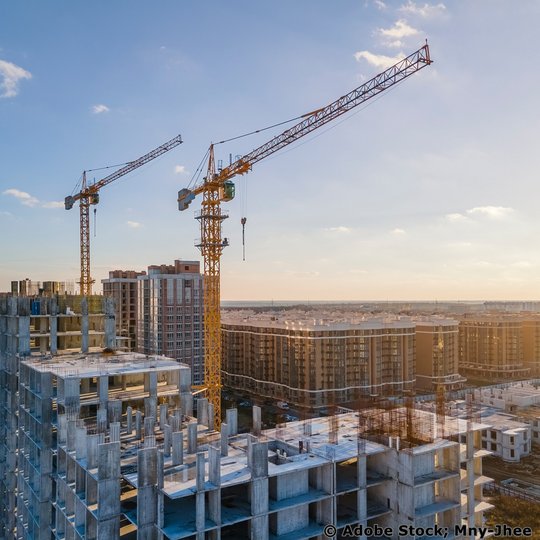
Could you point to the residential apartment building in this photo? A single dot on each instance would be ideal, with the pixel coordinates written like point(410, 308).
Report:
point(170, 314)
point(122, 287)
point(531, 343)
point(506, 437)
point(316, 363)
point(491, 347)
point(437, 354)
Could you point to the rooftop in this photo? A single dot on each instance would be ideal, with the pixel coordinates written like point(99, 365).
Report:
point(95, 364)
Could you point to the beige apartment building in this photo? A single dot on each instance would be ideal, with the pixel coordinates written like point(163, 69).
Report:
point(315, 364)
point(531, 343)
point(122, 286)
point(437, 354)
point(492, 347)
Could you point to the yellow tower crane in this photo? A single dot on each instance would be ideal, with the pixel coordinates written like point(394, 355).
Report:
point(217, 187)
point(89, 194)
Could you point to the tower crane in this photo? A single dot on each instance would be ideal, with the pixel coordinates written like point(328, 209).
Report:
point(89, 195)
point(217, 187)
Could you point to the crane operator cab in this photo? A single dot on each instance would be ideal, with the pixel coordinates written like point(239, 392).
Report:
point(226, 193)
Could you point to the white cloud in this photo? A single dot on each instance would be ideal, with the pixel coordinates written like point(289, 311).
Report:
point(378, 60)
point(134, 224)
point(24, 197)
point(6, 214)
point(456, 217)
point(180, 169)
point(400, 30)
point(425, 11)
point(53, 204)
point(29, 200)
point(100, 108)
point(495, 212)
point(398, 231)
point(11, 75)
point(380, 4)
point(339, 229)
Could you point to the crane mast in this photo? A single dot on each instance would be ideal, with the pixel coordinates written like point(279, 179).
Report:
point(89, 195)
point(217, 187)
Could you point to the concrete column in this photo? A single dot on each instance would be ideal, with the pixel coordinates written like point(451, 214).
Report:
point(178, 448)
point(108, 511)
point(80, 442)
point(150, 383)
point(192, 437)
point(232, 421)
point(103, 389)
point(138, 424)
point(71, 433)
point(163, 410)
point(110, 327)
point(72, 396)
point(160, 517)
point(115, 432)
point(224, 439)
point(62, 428)
point(214, 476)
point(256, 414)
point(214, 465)
point(129, 420)
point(259, 489)
point(167, 440)
point(150, 407)
point(92, 442)
point(202, 411)
point(85, 326)
point(174, 423)
point(102, 420)
point(53, 327)
point(114, 409)
point(149, 441)
point(200, 511)
point(210, 422)
point(471, 502)
point(147, 478)
point(149, 425)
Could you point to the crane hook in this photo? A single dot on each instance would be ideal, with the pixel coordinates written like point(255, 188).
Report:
point(243, 222)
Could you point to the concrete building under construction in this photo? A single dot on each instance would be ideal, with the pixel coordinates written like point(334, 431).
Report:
point(315, 363)
point(35, 328)
point(164, 474)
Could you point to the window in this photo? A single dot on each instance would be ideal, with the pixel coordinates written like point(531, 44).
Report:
point(512, 453)
point(493, 447)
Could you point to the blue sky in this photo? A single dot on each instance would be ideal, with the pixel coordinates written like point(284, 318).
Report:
point(430, 192)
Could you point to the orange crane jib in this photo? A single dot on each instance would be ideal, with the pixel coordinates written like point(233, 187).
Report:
point(217, 187)
point(89, 195)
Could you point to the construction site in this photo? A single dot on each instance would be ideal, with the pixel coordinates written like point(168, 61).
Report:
point(104, 444)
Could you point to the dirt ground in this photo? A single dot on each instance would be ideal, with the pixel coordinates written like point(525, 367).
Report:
point(528, 469)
